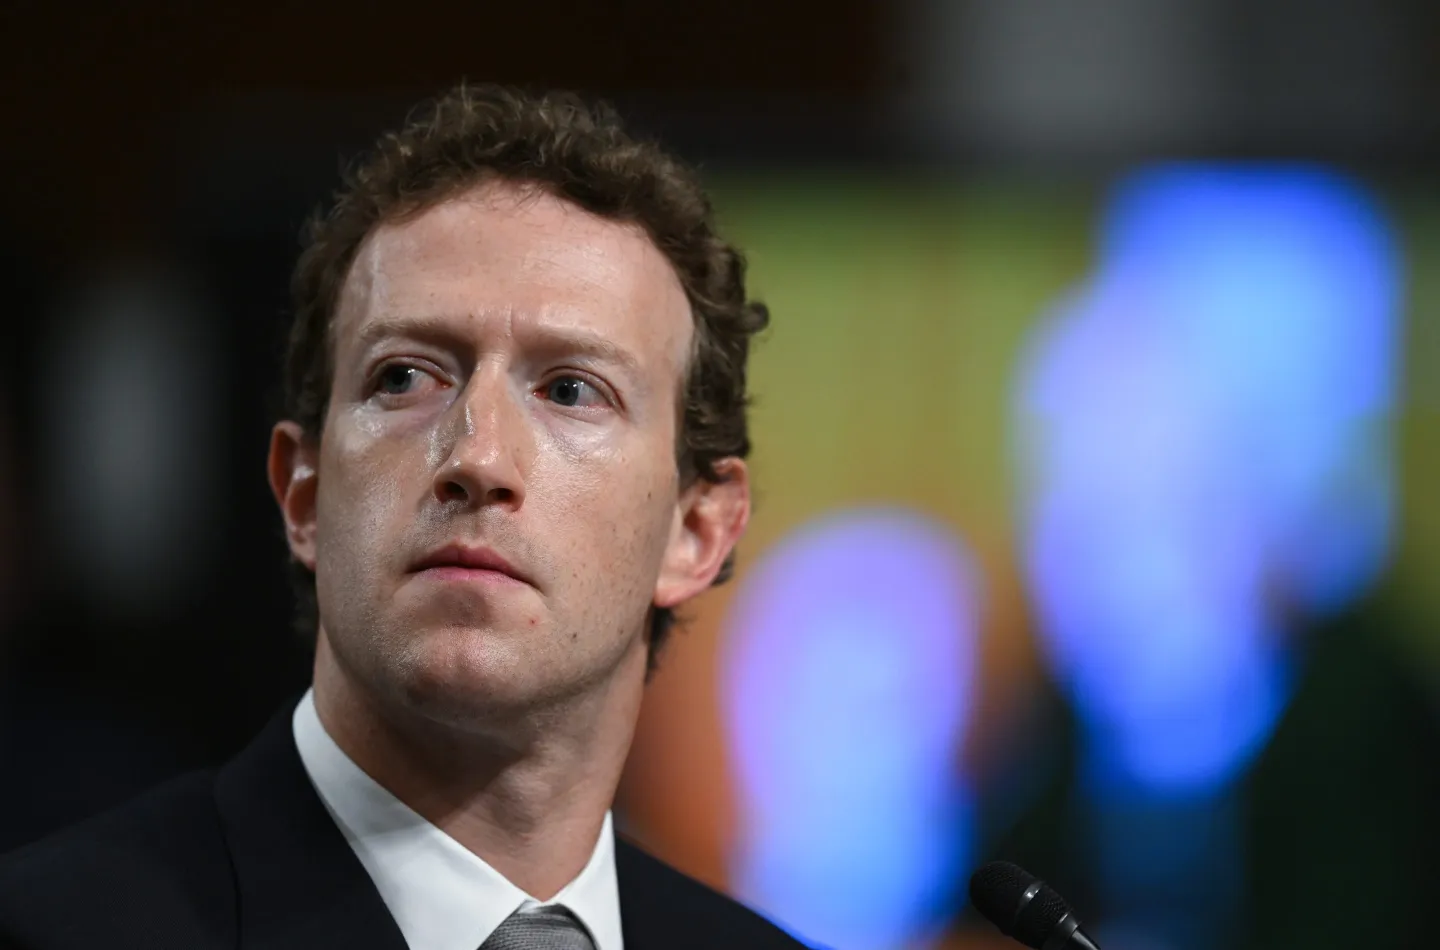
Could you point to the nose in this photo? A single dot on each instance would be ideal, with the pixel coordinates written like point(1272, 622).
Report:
point(490, 448)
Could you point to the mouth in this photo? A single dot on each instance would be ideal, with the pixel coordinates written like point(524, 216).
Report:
point(456, 562)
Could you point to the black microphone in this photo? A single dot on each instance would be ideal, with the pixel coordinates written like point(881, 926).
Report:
point(1026, 909)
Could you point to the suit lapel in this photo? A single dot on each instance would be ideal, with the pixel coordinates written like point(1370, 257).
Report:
point(300, 884)
point(643, 922)
point(661, 909)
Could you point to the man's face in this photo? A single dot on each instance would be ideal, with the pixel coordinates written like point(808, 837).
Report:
point(496, 502)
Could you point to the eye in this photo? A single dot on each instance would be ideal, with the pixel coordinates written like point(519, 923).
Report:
point(396, 379)
point(572, 391)
point(400, 379)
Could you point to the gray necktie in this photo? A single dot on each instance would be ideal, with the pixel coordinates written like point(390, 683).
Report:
point(540, 928)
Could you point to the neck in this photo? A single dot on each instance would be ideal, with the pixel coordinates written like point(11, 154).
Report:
point(525, 790)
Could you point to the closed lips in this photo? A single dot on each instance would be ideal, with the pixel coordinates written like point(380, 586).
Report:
point(475, 559)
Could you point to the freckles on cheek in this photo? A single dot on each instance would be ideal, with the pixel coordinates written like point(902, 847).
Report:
point(620, 497)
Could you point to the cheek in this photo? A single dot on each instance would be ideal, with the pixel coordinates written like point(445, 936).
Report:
point(362, 490)
point(622, 502)
point(605, 480)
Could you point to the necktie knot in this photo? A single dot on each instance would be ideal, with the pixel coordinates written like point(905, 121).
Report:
point(540, 928)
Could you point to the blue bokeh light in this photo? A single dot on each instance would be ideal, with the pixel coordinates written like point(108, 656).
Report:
point(849, 662)
point(1205, 431)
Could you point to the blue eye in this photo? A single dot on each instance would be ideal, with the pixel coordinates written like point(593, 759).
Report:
point(570, 391)
point(396, 379)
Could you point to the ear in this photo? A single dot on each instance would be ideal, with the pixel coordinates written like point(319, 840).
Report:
point(709, 519)
point(292, 467)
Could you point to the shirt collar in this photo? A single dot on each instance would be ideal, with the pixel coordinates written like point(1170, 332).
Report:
point(442, 896)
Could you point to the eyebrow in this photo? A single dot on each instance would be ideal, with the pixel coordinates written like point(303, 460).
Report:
point(551, 341)
point(567, 341)
point(429, 329)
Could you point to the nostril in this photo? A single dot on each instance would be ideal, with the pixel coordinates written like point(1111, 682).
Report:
point(465, 492)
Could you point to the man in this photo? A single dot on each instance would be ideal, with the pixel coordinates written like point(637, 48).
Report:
point(514, 443)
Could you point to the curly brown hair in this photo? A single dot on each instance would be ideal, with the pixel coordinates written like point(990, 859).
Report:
point(576, 150)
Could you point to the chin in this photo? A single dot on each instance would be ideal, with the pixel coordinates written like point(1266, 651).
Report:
point(459, 674)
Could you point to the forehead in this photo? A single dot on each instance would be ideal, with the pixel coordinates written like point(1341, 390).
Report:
point(519, 256)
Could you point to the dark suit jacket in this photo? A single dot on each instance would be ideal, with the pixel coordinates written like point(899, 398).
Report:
point(248, 857)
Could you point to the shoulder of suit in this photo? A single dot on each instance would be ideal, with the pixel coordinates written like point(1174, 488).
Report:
point(694, 906)
point(154, 871)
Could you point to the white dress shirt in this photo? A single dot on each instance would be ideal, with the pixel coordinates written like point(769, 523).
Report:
point(442, 896)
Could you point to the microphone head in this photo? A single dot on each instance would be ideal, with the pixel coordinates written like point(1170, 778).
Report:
point(998, 890)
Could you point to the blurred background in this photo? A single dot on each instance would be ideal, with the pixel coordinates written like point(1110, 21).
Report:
point(1097, 435)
